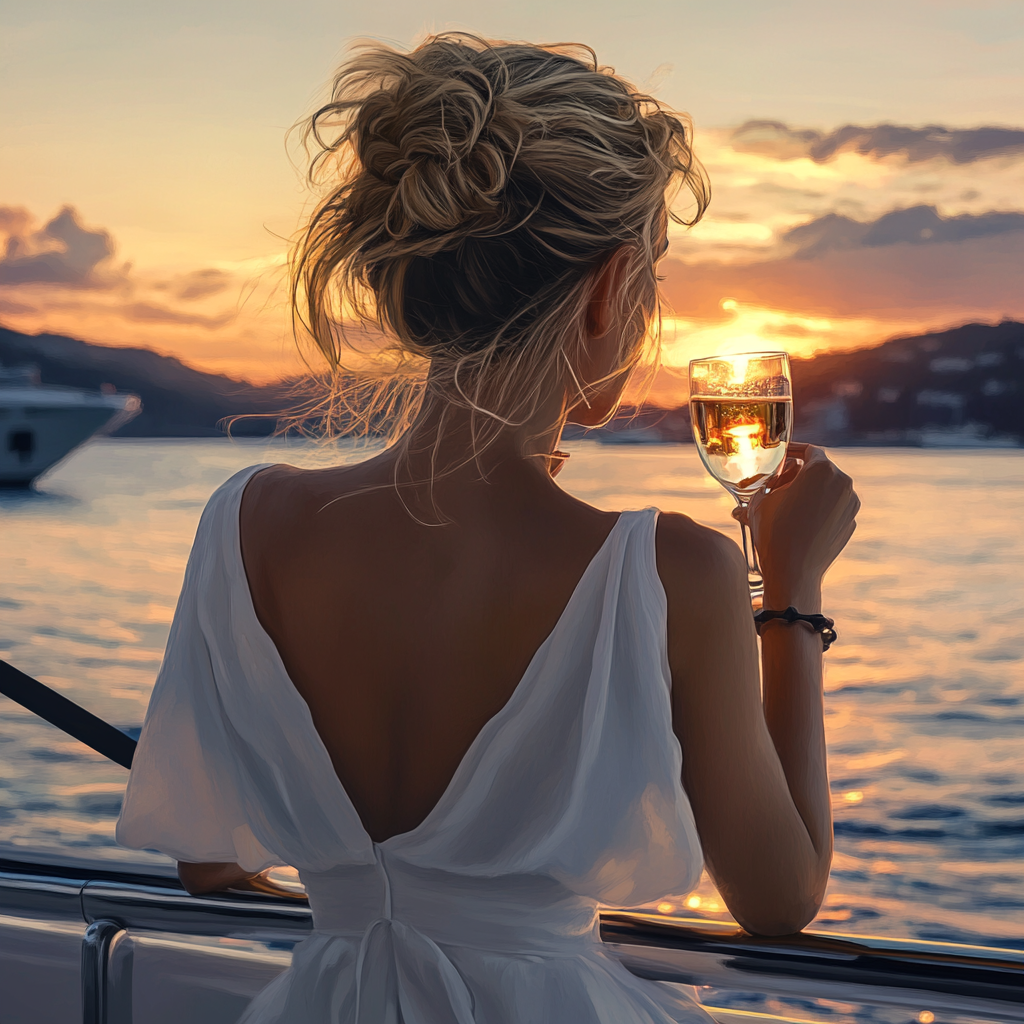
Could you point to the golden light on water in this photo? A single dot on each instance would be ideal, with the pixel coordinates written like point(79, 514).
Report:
point(748, 438)
point(854, 796)
point(666, 908)
point(693, 902)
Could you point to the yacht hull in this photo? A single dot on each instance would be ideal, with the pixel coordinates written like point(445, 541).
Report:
point(112, 944)
point(40, 426)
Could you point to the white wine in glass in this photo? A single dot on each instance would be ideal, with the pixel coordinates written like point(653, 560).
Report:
point(742, 412)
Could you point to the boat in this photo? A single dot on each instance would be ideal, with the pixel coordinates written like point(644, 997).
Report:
point(41, 424)
point(106, 942)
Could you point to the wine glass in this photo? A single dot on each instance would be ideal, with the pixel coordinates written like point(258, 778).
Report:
point(741, 407)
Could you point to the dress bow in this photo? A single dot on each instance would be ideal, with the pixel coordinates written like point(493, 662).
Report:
point(404, 977)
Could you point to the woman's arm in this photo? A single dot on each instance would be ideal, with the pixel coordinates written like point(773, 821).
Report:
point(801, 526)
point(754, 768)
point(199, 879)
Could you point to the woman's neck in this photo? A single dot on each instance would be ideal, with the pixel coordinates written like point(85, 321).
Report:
point(446, 438)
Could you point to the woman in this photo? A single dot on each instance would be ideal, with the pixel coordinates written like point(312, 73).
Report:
point(469, 708)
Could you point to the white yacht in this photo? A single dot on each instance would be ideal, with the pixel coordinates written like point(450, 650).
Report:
point(42, 423)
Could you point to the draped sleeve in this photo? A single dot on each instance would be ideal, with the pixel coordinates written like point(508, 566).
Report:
point(185, 797)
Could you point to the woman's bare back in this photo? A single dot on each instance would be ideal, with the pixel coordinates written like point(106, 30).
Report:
point(405, 639)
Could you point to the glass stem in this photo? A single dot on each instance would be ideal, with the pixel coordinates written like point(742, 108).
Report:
point(754, 578)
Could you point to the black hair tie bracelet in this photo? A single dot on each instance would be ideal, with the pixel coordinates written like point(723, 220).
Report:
point(819, 623)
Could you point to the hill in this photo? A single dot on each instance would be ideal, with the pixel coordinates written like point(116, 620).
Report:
point(962, 386)
point(177, 400)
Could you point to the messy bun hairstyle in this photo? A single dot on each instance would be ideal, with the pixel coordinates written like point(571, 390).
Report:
point(470, 189)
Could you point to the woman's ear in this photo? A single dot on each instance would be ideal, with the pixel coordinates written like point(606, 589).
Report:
point(605, 304)
point(595, 391)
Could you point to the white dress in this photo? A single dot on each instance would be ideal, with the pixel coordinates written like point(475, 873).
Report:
point(486, 913)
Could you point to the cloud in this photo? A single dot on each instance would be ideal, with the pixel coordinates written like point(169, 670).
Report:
point(15, 220)
point(62, 252)
point(916, 225)
point(75, 262)
point(923, 225)
point(979, 276)
point(148, 312)
point(13, 308)
point(198, 284)
point(833, 231)
point(778, 141)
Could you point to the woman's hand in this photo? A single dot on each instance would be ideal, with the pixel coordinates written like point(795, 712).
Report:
point(800, 523)
point(200, 879)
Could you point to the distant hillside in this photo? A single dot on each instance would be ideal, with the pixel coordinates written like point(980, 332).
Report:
point(177, 401)
point(959, 387)
point(964, 385)
point(966, 382)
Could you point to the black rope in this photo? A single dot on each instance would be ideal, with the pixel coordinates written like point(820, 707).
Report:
point(819, 623)
point(67, 715)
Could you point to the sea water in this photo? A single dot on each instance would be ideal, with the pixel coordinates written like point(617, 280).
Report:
point(924, 689)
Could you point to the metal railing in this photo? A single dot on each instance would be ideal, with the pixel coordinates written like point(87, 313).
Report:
point(967, 979)
point(111, 903)
point(973, 980)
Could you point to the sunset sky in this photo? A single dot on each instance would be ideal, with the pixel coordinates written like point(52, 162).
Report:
point(867, 162)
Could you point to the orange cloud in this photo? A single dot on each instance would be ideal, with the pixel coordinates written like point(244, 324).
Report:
point(951, 280)
point(836, 282)
point(197, 284)
point(62, 252)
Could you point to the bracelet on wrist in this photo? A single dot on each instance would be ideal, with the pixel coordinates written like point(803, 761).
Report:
point(819, 623)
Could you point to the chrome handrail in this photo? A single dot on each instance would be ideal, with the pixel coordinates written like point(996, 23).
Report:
point(171, 909)
point(113, 902)
point(98, 987)
point(869, 969)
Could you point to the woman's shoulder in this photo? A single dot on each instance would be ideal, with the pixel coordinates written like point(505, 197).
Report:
point(274, 496)
point(229, 494)
point(272, 486)
point(679, 536)
point(282, 511)
point(693, 559)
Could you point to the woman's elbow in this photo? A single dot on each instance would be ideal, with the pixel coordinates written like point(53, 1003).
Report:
point(782, 906)
point(774, 921)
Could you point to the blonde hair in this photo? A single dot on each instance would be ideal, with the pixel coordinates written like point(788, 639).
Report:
point(472, 189)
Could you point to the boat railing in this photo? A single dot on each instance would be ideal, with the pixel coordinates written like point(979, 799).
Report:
point(114, 904)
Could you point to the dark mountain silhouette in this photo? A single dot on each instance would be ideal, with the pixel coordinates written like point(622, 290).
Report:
point(177, 400)
point(968, 381)
point(963, 384)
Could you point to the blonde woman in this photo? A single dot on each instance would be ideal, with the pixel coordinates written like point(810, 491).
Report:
point(469, 708)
